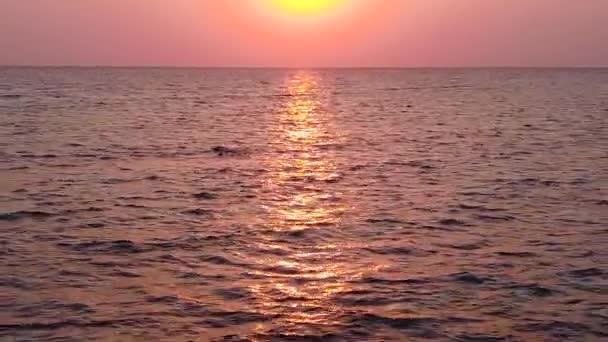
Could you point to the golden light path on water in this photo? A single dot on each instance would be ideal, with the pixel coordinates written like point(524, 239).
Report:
point(305, 210)
point(296, 172)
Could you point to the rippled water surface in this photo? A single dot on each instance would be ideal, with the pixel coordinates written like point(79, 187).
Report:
point(287, 205)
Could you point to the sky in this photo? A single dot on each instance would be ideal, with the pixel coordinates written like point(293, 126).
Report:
point(346, 33)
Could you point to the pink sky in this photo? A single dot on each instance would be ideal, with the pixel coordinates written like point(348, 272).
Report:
point(405, 33)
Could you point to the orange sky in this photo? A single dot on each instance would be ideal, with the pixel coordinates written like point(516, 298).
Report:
point(256, 33)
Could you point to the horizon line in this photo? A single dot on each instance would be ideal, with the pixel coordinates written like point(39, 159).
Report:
point(167, 66)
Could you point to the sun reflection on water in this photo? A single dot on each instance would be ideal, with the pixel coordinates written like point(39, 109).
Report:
point(301, 171)
point(304, 212)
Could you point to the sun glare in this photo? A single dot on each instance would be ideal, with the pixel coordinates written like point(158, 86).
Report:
point(306, 7)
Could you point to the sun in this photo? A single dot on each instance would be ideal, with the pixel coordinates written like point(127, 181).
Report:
point(305, 7)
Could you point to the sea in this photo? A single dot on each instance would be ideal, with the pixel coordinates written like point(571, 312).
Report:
point(177, 204)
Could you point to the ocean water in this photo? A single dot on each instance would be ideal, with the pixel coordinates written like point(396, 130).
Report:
point(303, 205)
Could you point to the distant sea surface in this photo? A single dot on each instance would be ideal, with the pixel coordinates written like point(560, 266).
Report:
point(303, 205)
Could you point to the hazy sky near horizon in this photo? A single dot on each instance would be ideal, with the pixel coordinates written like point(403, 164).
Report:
point(401, 33)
